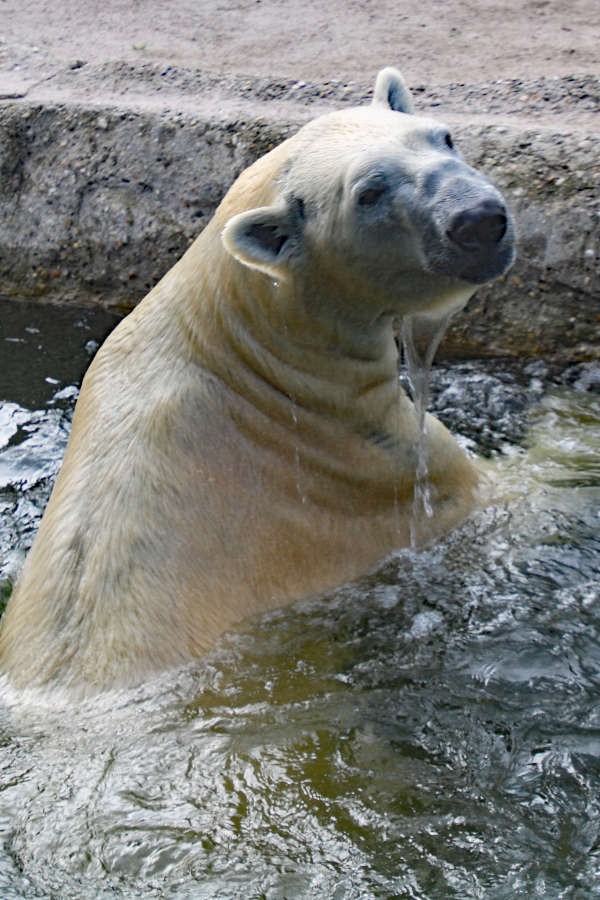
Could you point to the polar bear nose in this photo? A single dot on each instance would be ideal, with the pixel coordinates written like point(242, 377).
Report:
point(481, 226)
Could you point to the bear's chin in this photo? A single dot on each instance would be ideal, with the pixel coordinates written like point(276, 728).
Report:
point(477, 268)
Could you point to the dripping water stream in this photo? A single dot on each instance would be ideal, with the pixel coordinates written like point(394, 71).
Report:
point(418, 356)
point(297, 463)
point(294, 414)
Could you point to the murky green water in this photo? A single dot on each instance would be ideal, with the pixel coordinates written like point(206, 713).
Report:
point(432, 732)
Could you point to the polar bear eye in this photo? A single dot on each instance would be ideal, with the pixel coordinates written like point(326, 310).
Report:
point(370, 195)
point(448, 141)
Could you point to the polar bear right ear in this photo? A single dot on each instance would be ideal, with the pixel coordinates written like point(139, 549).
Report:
point(391, 92)
point(264, 238)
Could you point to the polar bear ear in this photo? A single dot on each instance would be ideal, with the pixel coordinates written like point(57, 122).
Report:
point(265, 238)
point(391, 92)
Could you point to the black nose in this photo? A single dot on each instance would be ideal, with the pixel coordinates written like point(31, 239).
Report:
point(481, 226)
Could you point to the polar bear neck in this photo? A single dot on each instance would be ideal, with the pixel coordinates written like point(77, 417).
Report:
point(266, 341)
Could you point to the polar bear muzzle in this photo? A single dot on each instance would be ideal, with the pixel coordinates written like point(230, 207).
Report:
point(479, 228)
point(479, 240)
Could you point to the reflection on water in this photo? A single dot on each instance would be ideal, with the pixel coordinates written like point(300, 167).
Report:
point(431, 732)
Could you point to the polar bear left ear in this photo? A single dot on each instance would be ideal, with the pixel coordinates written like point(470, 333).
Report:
point(391, 92)
point(265, 238)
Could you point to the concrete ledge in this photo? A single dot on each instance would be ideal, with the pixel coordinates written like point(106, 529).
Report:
point(97, 201)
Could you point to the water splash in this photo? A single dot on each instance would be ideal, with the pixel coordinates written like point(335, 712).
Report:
point(420, 339)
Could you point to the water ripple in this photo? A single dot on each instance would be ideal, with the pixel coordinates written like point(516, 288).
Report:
point(430, 732)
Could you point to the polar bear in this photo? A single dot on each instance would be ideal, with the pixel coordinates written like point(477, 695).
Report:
point(241, 439)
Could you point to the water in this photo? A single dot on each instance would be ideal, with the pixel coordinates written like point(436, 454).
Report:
point(418, 366)
point(431, 732)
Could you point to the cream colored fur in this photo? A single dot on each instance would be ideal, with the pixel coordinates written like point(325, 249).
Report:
point(241, 439)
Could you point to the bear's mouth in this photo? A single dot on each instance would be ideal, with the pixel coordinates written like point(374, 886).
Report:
point(482, 266)
point(476, 265)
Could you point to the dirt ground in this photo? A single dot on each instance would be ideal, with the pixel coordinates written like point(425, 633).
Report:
point(432, 43)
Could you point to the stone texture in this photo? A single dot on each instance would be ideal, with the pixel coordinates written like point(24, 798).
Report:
point(97, 201)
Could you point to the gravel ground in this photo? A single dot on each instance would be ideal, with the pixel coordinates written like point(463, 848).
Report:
point(570, 101)
point(512, 59)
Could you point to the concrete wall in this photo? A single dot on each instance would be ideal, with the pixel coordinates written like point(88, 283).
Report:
point(97, 203)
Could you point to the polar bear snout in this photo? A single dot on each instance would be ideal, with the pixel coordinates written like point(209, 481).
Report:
point(476, 232)
point(479, 228)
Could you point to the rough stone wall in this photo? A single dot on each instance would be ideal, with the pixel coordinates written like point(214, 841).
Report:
point(96, 204)
point(549, 303)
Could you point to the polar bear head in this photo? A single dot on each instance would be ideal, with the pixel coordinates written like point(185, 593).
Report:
point(376, 206)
